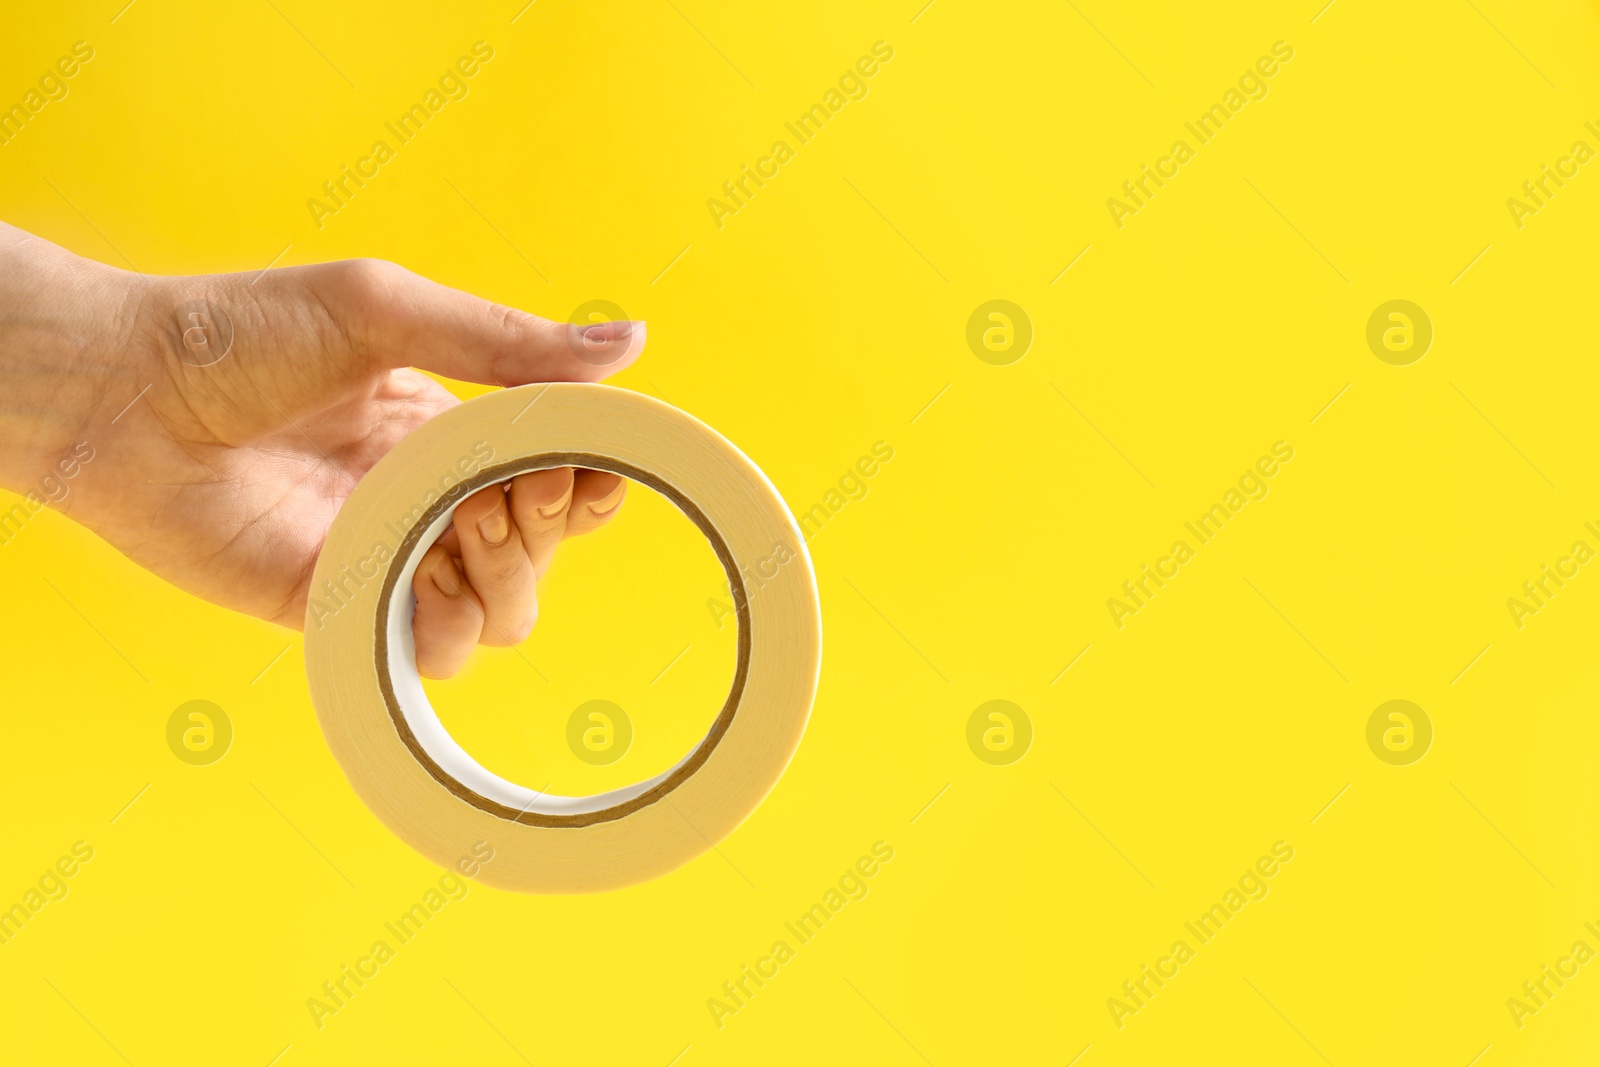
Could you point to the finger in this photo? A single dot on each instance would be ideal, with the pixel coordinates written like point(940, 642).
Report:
point(497, 566)
point(400, 319)
point(448, 618)
point(596, 496)
point(539, 504)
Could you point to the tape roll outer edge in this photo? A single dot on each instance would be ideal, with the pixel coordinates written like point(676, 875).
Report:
point(749, 745)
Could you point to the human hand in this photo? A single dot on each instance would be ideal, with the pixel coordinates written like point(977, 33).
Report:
point(221, 468)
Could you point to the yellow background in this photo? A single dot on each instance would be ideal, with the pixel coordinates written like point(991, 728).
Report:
point(824, 317)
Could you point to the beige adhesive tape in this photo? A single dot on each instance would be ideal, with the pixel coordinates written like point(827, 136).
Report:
point(403, 763)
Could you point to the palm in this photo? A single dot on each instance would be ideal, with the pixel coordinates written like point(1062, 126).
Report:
point(245, 511)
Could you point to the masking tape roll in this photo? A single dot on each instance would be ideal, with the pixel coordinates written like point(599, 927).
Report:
point(405, 766)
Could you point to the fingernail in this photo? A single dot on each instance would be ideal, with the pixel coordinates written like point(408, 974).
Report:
point(493, 526)
point(603, 333)
point(443, 577)
point(608, 502)
point(550, 511)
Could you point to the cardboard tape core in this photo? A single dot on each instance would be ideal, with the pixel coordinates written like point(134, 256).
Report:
point(380, 725)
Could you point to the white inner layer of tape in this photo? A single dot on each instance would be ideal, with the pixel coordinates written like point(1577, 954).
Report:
point(436, 740)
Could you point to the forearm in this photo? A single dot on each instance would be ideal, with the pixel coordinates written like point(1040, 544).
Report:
point(64, 360)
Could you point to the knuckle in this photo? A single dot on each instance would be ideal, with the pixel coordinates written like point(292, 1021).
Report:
point(358, 296)
point(515, 321)
point(370, 270)
point(367, 281)
point(519, 332)
point(509, 566)
point(503, 567)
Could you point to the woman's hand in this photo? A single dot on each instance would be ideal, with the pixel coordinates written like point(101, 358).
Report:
point(226, 418)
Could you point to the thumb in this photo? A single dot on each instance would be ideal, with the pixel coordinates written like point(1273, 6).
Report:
point(394, 318)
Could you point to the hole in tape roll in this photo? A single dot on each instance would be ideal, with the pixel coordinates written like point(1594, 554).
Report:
point(627, 679)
